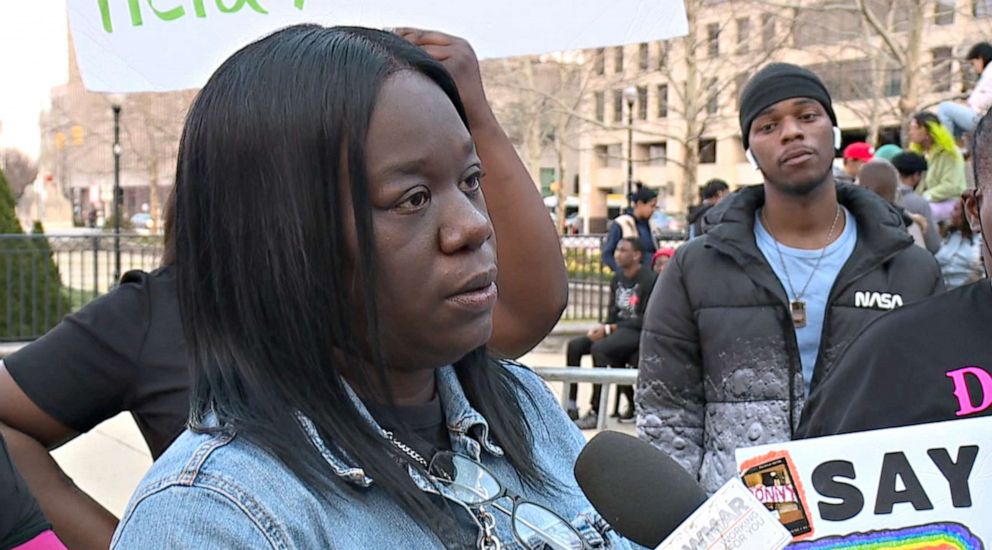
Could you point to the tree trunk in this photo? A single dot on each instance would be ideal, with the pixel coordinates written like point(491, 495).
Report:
point(153, 198)
point(560, 191)
point(879, 80)
point(910, 97)
point(533, 134)
point(690, 141)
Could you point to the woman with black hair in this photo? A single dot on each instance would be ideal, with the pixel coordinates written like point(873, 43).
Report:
point(961, 118)
point(126, 352)
point(336, 273)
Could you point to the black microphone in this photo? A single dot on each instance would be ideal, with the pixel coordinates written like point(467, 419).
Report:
point(640, 491)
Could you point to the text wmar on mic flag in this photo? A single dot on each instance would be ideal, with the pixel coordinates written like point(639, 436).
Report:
point(919, 487)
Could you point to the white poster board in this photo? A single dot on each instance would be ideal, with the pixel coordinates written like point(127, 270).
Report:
point(919, 487)
point(163, 45)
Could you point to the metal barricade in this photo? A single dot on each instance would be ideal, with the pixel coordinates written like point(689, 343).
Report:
point(575, 375)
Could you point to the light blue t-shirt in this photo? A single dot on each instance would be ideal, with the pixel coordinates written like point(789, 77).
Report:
point(800, 264)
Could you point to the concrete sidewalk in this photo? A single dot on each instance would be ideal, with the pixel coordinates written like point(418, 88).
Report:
point(109, 461)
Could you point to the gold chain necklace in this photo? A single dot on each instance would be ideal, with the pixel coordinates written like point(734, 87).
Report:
point(797, 306)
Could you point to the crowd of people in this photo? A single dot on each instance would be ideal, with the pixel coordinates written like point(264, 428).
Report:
point(324, 359)
point(778, 322)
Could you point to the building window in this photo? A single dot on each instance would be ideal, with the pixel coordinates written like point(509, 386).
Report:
point(893, 82)
point(662, 100)
point(982, 8)
point(767, 31)
point(943, 12)
point(608, 156)
point(850, 79)
point(942, 69)
point(740, 80)
point(600, 61)
point(618, 59)
point(743, 34)
point(713, 39)
point(600, 107)
point(617, 105)
point(602, 155)
point(642, 102)
point(713, 101)
point(642, 55)
point(662, 56)
point(657, 154)
point(707, 151)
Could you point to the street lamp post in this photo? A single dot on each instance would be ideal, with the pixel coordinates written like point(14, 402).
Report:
point(115, 104)
point(629, 95)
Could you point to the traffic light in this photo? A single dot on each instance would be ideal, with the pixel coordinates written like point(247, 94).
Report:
point(59, 140)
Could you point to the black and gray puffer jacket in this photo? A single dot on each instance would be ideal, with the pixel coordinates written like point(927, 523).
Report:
point(719, 362)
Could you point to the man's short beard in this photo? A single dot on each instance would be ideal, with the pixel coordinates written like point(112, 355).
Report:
point(801, 189)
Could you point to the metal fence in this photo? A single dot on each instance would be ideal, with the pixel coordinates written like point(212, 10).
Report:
point(588, 278)
point(45, 277)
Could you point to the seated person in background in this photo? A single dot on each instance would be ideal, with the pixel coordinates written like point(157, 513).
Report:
point(961, 118)
point(712, 193)
point(22, 525)
point(945, 179)
point(880, 177)
point(911, 168)
point(855, 156)
point(960, 257)
point(925, 362)
point(661, 259)
point(639, 224)
point(614, 343)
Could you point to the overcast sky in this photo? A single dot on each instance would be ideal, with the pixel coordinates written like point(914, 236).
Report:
point(33, 58)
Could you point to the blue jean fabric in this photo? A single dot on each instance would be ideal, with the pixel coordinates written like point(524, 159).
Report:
point(219, 491)
point(959, 118)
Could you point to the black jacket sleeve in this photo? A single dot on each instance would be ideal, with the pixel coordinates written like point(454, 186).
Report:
point(671, 403)
point(82, 372)
point(610, 246)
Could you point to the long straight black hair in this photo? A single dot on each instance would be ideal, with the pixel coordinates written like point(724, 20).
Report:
point(263, 270)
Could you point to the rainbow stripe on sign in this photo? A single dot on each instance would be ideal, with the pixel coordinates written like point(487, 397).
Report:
point(934, 536)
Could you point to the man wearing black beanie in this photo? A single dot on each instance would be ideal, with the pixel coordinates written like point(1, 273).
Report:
point(748, 318)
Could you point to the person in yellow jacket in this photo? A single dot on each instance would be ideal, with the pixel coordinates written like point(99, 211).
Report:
point(945, 179)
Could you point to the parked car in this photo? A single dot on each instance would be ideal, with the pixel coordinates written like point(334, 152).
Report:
point(142, 220)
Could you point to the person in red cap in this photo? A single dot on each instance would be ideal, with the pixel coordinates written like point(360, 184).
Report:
point(660, 259)
point(856, 155)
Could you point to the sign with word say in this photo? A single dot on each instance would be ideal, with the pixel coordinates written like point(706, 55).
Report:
point(164, 45)
point(924, 487)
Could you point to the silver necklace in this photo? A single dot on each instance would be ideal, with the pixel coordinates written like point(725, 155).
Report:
point(487, 539)
point(797, 306)
point(406, 449)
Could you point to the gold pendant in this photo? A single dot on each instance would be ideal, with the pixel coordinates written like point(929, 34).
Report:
point(798, 309)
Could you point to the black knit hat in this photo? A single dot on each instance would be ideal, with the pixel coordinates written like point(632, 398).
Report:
point(777, 82)
point(643, 194)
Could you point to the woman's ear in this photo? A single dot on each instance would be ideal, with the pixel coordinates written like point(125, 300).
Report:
point(972, 211)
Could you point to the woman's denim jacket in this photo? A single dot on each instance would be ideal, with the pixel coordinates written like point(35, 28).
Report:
point(219, 491)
